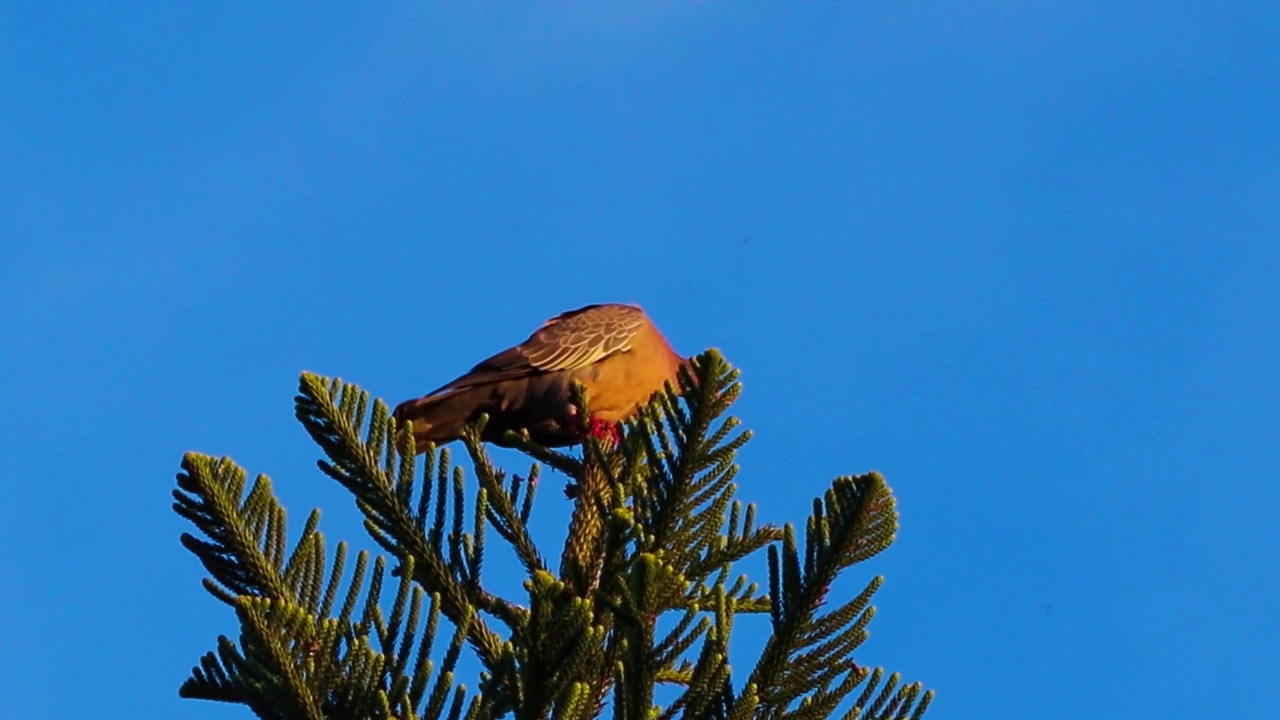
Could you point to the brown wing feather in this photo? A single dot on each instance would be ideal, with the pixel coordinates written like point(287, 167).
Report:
point(582, 337)
point(569, 341)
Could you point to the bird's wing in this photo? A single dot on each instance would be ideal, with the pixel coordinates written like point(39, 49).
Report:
point(583, 337)
point(572, 340)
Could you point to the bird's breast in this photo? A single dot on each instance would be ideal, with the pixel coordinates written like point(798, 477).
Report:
point(620, 383)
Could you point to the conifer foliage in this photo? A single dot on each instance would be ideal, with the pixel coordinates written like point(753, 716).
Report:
point(635, 621)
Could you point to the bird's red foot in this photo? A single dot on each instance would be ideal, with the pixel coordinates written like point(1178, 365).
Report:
point(604, 430)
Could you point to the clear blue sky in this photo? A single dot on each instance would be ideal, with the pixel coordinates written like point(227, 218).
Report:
point(1022, 257)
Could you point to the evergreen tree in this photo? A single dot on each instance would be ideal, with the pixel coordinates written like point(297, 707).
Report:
point(639, 613)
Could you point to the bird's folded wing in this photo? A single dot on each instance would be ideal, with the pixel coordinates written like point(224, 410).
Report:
point(582, 338)
point(569, 341)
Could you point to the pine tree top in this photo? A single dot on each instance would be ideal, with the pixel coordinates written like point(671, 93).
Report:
point(635, 620)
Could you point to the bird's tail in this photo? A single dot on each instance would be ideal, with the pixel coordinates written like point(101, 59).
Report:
point(437, 418)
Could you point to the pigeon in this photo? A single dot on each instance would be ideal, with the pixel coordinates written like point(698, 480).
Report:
point(614, 350)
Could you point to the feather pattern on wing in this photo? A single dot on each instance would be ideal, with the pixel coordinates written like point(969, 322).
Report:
point(583, 337)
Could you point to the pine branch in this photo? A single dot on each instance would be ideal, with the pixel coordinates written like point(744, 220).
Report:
point(506, 509)
point(807, 652)
point(655, 530)
point(294, 658)
point(709, 693)
point(380, 474)
point(890, 701)
point(245, 538)
point(583, 555)
point(686, 476)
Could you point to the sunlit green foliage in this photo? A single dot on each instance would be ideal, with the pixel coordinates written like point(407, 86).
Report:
point(655, 536)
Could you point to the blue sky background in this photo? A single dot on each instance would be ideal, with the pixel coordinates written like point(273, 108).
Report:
point(1021, 257)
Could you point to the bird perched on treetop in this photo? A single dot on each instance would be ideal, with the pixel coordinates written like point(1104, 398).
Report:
point(614, 350)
